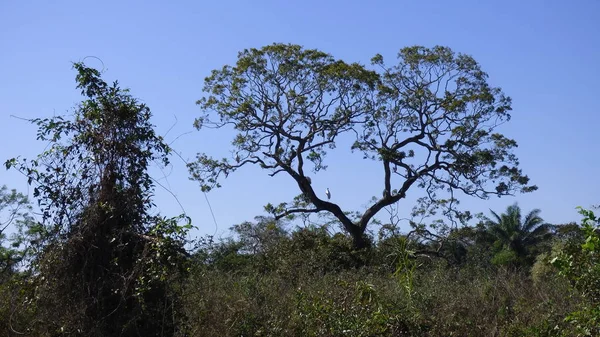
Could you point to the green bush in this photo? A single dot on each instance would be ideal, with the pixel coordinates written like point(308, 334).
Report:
point(582, 269)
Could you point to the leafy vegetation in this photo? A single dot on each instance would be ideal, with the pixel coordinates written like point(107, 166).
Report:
point(582, 268)
point(100, 261)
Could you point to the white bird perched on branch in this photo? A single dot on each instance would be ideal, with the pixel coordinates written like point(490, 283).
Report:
point(328, 193)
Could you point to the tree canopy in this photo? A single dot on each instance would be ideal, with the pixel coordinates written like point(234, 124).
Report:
point(430, 120)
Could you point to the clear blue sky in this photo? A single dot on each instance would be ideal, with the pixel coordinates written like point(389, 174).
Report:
point(544, 54)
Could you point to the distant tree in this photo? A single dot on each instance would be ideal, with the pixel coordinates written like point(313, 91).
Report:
point(515, 236)
point(15, 211)
point(14, 206)
point(259, 236)
point(569, 236)
point(105, 262)
point(430, 121)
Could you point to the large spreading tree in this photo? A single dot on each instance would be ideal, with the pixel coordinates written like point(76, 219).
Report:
point(430, 120)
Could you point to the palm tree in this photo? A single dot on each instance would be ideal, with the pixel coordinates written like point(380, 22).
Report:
point(516, 235)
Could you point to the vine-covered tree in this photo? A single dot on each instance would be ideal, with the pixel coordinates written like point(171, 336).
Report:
point(430, 120)
point(105, 260)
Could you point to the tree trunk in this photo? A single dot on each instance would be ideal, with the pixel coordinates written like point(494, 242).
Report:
point(359, 240)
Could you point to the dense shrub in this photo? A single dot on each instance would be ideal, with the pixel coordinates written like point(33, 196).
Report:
point(311, 285)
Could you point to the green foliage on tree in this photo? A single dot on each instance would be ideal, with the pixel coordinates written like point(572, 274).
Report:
point(515, 236)
point(106, 264)
point(430, 120)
